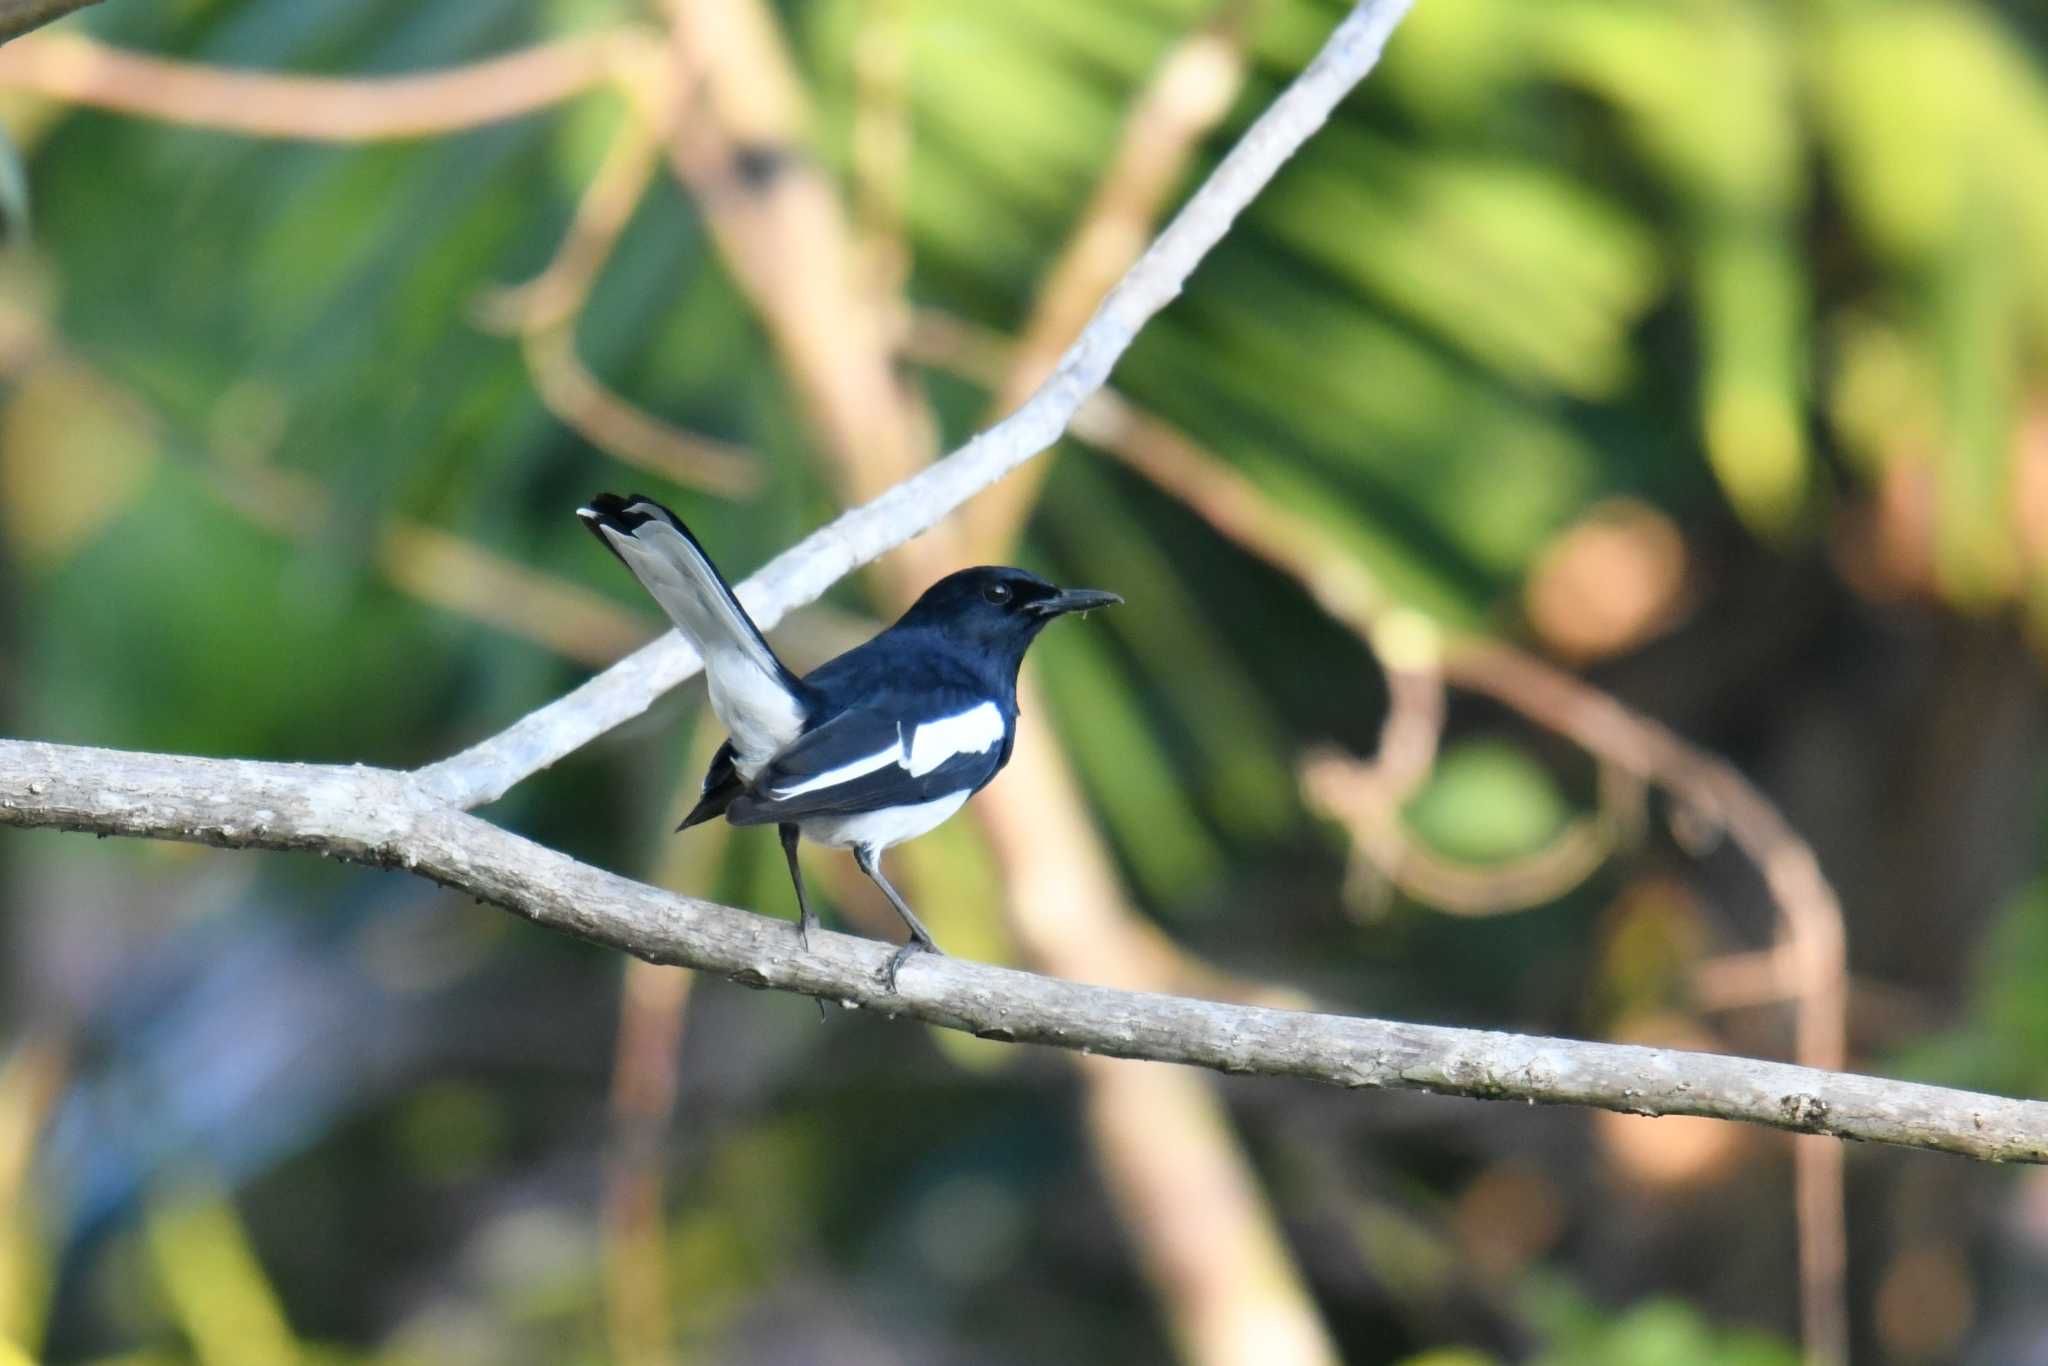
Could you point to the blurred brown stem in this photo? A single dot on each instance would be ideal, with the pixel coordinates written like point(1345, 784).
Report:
point(739, 145)
point(637, 1293)
point(1185, 99)
point(425, 562)
point(1815, 939)
point(628, 433)
point(543, 312)
point(446, 570)
point(1199, 1221)
point(882, 146)
point(32, 1079)
point(553, 298)
point(76, 69)
point(646, 1068)
point(1352, 793)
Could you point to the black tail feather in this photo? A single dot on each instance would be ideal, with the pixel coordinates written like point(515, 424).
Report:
point(721, 784)
point(624, 515)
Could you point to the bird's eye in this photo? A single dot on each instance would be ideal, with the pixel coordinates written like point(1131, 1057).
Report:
point(997, 593)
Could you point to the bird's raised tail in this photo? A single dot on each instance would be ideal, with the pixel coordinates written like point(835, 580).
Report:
point(760, 702)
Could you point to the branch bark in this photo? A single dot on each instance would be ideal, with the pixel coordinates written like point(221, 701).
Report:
point(387, 819)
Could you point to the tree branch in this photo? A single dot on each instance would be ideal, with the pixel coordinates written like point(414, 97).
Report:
point(385, 818)
point(802, 573)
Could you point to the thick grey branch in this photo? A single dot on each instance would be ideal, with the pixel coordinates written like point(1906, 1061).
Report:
point(802, 573)
point(381, 817)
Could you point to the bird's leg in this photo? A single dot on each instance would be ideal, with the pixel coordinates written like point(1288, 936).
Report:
point(806, 917)
point(920, 940)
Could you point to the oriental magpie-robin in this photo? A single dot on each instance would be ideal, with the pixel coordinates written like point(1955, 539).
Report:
point(869, 749)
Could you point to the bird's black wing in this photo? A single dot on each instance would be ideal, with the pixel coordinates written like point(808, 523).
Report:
point(870, 758)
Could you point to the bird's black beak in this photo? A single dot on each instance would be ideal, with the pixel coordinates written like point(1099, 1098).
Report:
point(1074, 600)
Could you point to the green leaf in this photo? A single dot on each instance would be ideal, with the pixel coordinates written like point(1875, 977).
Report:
point(1487, 801)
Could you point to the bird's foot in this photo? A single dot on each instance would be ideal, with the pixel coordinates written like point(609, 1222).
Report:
point(902, 955)
point(803, 936)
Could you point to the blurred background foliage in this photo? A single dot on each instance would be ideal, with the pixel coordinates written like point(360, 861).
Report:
point(1700, 346)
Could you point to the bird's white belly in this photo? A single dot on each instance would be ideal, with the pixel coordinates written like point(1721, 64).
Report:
point(880, 829)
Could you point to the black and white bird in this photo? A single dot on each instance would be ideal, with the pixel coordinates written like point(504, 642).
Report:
point(869, 749)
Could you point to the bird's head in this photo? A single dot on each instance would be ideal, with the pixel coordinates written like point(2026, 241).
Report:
point(997, 608)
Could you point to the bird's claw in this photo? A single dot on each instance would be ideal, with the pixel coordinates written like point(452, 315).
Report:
point(897, 959)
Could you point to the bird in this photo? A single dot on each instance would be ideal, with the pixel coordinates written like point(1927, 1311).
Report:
point(869, 749)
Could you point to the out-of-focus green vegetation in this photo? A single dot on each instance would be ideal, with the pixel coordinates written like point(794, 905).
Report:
point(1768, 276)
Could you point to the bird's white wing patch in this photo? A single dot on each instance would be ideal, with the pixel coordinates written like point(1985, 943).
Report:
point(974, 731)
point(845, 773)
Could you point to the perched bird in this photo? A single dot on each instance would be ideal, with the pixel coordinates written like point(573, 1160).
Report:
point(869, 749)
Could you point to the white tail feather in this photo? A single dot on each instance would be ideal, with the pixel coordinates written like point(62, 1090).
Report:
point(746, 681)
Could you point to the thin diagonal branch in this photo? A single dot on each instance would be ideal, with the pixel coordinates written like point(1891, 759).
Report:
point(384, 818)
point(801, 574)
